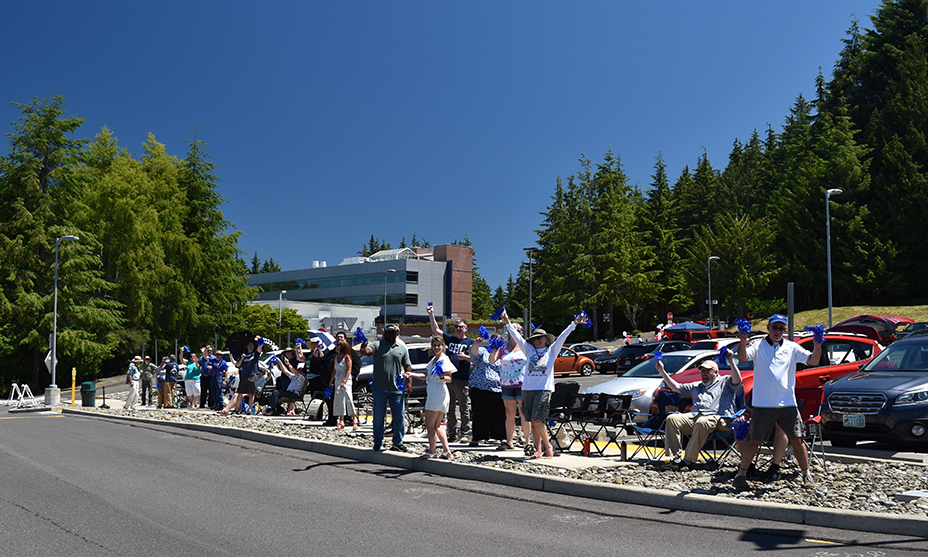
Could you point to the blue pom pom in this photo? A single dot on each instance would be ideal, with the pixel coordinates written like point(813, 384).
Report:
point(273, 360)
point(299, 341)
point(260, 341)
point(185, 349)
point(359, 336)
point(741, 427)
point(818, 332)
point(437, 369)
point(483, 332)
point(399, 384)
point(722, 358)
point(498, 313)
point(495, 343)
point(328, 393)
point(744, 327)
point(658, 355)
point(587, 322)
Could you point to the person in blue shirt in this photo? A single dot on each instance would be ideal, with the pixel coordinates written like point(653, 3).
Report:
point(168, 382)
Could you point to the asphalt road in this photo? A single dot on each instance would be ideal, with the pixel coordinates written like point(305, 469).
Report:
point(81, 486)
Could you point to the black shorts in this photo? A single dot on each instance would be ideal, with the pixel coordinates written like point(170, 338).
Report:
point(247, 385)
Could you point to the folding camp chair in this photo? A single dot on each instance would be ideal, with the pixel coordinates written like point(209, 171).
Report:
point(562, 420)
point(557, 408)
point(810, 407)
point(651, 432)
point(610, 417)
point(713, 456)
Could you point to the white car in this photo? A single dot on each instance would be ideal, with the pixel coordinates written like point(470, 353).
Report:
point(642, 380)
point(418, 355)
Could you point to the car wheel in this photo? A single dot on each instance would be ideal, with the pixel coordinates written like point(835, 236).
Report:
point(586, 370)
point(844, 443)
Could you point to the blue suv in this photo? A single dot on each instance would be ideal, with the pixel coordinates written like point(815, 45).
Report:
point(886, 400)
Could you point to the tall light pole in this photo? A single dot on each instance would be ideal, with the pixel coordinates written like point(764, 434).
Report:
point(530, 251)
point(53, 394)
point(829, 193)
point(709, 267)
point(385, 296)
point(280, 310)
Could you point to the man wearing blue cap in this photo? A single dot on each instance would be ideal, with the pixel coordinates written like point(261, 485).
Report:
point(775, 359)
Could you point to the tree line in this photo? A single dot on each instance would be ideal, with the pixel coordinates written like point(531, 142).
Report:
point(606, 246)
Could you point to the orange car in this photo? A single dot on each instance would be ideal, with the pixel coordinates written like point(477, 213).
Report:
point(569, 362)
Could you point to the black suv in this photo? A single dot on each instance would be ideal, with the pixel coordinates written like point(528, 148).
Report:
point(887, 400)
point(628, 356)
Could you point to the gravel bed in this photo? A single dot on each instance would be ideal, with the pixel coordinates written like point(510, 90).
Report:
point(865, 486)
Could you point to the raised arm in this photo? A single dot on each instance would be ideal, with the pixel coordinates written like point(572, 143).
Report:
point(436, 330)
point(674, 386)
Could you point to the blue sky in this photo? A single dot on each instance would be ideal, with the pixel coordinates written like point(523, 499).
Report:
point(332, 121)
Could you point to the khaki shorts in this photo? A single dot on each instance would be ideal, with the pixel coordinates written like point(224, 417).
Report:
point(536, 405)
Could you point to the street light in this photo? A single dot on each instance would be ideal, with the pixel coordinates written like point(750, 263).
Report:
point(529, 250)
point(385, 296)
point(829, 193)
point(709, 266)
point(53, 395)
point(280, 310)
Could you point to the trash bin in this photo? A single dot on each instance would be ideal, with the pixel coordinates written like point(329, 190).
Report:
point(88, 394)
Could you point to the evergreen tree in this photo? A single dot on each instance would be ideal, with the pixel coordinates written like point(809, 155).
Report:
point(42, 183)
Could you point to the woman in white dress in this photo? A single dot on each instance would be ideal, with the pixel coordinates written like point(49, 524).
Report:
point(342, 405)
point(437, 376)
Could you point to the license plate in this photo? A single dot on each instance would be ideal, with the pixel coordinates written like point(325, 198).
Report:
point(854, 420)
point(628, 362)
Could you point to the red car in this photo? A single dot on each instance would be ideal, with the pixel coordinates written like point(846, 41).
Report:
point(842, 354)
point(878, 327)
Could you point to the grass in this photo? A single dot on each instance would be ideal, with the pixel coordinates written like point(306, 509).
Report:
point(815, 316)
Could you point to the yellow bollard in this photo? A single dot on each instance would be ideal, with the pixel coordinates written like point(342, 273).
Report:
point(73, 384)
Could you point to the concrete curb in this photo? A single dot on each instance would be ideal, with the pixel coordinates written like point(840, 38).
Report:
point(694, 502)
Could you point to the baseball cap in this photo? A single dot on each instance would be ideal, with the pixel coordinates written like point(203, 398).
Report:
point(710, 364)
point(391, 327)
point(777, 318)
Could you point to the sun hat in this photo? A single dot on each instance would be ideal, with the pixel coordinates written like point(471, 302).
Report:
point(136, 359)
point(541, 333)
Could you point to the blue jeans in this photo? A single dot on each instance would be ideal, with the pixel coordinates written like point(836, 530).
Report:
point(380, 415)
point(215, 391)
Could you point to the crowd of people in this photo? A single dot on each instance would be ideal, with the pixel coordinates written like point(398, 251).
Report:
point(510, 375)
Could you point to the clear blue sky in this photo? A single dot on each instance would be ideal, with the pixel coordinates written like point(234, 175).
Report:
point(330, 121)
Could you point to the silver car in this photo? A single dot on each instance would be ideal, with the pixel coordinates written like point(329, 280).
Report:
point(641, 381)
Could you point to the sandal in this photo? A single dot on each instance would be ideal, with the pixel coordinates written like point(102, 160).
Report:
point(340, 426)
point(428, 455)
point(445, 455)
point(355, 426)
point(530, 449)
point(504, 446)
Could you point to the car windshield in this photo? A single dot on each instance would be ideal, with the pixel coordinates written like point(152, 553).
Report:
point(631, 351)
point(419, 355)
point(648, 368)
point(915, 327)
point(901, 356)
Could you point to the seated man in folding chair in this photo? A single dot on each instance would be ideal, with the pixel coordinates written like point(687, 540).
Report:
point(713, 406)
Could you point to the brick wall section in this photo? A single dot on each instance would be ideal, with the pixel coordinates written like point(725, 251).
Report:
point(462, 277)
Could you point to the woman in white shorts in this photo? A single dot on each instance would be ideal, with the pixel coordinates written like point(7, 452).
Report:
point(437, 376)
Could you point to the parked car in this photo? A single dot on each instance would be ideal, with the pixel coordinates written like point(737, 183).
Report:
point(589, 350)
point(714, 343)
point(569, 362)
point(912, 328)
point(842, 354)
point(693, 336)
point(642, 380)
point(419, 356)
point(628, 356)
point(884, 326)
point(886, 400)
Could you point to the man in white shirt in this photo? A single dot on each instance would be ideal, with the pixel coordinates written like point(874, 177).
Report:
point(775, 359)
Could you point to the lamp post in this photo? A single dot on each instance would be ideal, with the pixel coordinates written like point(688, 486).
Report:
point(829, 193)
point(385, 296)
point(709, 267)
point(280, 310)
point(53, 394)
point(529, 250)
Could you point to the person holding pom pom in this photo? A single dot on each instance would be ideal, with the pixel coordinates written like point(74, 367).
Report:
point(437, 376)
point(774, 394)
point(541, 351)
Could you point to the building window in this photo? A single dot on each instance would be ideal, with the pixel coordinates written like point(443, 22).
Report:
point(412, 277)
point(412, 299)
